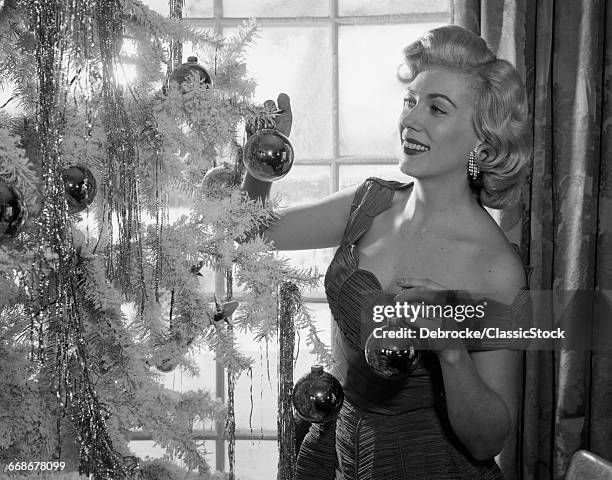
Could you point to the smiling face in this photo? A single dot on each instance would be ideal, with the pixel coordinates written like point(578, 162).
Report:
point(435, 125)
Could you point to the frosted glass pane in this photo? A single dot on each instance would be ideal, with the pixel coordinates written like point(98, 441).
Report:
point(265, 390)
point(355, 174)
point(370, 95)
point(256, 460)
point(181, 381)
point(198, 8)
point(311, 258)
point(323, 320)
point(160, 6)
point(149, 450)
point(275, 8)
point(191, 8)
point(384, 7)
point(296, 61)
point(303, 184)
point(146, 448)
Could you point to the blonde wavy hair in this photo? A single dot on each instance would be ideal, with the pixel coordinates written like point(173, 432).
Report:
point(501, 117)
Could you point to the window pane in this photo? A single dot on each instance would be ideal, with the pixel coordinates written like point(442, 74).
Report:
point(296, 61)
point(264, 382)
point(311, 258)
point(148, 448)
point(322, 317)
point(160, 6)
point(383, 7)
point(260, 387)
point(370, 94)
point(275, 8)
point(355, 174)
point(198, 8)
point(303, 184)
point(191, 8)
point(256, 460)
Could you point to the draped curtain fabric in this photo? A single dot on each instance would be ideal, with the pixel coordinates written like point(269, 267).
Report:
point(563, 49)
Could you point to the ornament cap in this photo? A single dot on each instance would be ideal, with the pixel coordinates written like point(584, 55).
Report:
point(192, 59)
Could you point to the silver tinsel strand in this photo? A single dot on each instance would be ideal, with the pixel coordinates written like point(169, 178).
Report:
point(289, 303)
point(55, 23)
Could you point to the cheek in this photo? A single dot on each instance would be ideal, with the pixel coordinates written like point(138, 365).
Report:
point(458, 138)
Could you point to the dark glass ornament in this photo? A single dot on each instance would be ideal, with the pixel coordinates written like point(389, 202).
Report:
point(13, 211)
point(268, 155)
point(318, 396)
point(391, 358)
point(80, 186)
point(183, 72)
point(166, 365)
point(174, 352)
point(222, 175)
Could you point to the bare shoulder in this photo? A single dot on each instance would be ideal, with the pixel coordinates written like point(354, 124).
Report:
point(499, 267)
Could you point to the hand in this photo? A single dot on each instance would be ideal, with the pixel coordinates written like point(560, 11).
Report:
point(427, 292)
point(283, 116)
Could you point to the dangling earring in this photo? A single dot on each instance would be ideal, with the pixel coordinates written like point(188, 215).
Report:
point(473, 168)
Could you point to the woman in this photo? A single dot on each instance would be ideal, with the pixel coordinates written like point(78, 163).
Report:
point(463, 134)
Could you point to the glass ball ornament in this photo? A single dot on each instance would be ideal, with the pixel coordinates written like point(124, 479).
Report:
point(13, 211)
point(183, 72)
point(80, 187)
point(221, 175)
point(166, 365)
point(174, 351)
point(174, 347)
point(318, 396)
point(268, 155)
point(391, 358)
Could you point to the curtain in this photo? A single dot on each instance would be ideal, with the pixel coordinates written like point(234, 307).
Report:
point(563, 49)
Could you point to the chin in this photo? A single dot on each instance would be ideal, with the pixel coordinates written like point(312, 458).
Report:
point(407, 166)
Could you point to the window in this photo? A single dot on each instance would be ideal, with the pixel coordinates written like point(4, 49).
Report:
point(337, 60)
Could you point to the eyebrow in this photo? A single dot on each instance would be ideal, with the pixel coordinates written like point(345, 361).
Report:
point(434, 95)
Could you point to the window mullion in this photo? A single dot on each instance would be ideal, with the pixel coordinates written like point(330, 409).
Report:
point(335, 181)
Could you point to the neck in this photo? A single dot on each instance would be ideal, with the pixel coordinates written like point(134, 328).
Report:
point(436, 199)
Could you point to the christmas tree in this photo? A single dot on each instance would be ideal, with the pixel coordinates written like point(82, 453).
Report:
point(89, 165)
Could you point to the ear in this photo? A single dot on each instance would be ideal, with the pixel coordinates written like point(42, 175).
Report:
point(483, 152)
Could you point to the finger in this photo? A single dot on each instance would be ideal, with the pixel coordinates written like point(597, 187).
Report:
point(284, 102)
point(284, 121)
point(425, 283)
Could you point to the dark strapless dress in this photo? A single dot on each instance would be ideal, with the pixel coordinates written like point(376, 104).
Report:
point(387, 429)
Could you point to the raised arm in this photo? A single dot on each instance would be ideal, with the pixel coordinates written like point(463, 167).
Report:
point(315, 225)
point(318, 224)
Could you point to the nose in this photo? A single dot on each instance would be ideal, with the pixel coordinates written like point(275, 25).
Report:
point(410, 122)
point(410, 119)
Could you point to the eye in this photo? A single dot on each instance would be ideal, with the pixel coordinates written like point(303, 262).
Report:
point(409, 102)
point(437, 110)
